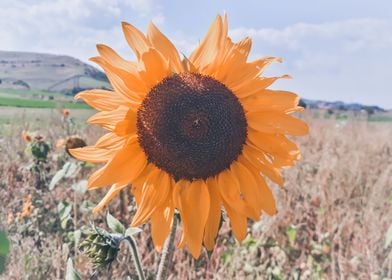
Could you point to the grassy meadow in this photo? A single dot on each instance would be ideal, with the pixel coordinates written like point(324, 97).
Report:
point(334, 210)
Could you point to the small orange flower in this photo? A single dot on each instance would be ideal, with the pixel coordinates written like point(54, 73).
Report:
point(26, 136)
point(191, 134)
point(66, 113)
point(28, 207)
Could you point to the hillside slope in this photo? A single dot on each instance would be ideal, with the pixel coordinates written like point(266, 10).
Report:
point(58, 73)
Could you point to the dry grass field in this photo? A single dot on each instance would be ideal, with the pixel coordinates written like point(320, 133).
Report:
point(334, 210)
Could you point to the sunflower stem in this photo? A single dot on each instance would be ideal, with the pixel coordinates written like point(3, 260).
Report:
point(167, 253)
point(135, 257)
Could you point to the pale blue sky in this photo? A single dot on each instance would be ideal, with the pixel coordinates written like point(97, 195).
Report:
point(334, 49)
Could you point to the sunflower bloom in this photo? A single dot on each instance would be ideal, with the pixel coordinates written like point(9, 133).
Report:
point(196, 134)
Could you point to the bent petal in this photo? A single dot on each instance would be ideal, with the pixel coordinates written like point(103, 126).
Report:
point(112, 193)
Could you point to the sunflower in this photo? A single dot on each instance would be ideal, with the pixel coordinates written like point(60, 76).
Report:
point(192, 134)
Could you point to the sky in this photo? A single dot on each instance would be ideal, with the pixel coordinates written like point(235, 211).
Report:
point(333, 49)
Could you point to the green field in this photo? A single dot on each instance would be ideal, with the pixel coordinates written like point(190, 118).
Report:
point(35, 103)
point(37, 99)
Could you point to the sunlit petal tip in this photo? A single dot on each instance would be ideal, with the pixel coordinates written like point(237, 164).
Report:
point(100, 47)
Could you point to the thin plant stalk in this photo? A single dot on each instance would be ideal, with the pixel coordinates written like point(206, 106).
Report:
point(135, 257)
point(167, 253)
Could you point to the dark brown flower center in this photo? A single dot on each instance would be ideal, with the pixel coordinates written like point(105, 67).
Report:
point(191, 126)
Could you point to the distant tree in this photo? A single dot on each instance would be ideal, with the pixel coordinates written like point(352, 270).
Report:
point(369, 110)
point(302, 103)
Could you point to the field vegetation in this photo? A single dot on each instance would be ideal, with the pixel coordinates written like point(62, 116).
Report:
point(334, 210)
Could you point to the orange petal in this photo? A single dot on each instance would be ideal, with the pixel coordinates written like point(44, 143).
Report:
point(92, 154)
point(126, 165)
point(193, 201)
point(257, 159)
point(254, 86)
point(230, 192)
point(274, 144)
point(109, 54)
point(156, 66)
point(112, 193)
point(127, 126)
point(161, 222)
point(214, 215)
point(155, 192)
point(271, 100)
point(110, 141)
point(128, 84)
point(103, 100)
point(238, 222)
point(275, 122)
point(109, 119)
point(136, 39)
point(210, 45)
point(267, 198)
point(248, 186)
point(248, 71)
point(165, 47)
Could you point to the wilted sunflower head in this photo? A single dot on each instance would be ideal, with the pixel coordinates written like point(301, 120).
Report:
point(192, 134)
point(72, 142)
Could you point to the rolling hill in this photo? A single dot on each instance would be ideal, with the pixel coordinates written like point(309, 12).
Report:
point(48, 72)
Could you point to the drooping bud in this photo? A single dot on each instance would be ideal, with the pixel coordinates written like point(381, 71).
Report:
point(101, 247)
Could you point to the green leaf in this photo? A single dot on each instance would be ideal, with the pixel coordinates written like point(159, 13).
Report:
point(80, 186)
point(71, 273)
point(56, 179)
point(132, 231)
point(70, 169)
point(388, 237)
point(64, 210)
point(76, 235)
point(4, 250)
point(114, 224)
point(87, 205)
point(291, 233)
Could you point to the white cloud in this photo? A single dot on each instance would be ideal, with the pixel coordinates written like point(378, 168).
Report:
point(348, 59)
point(343, 60)
point(71, 26)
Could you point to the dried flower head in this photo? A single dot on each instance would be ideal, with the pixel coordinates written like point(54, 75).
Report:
point(39, 148)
